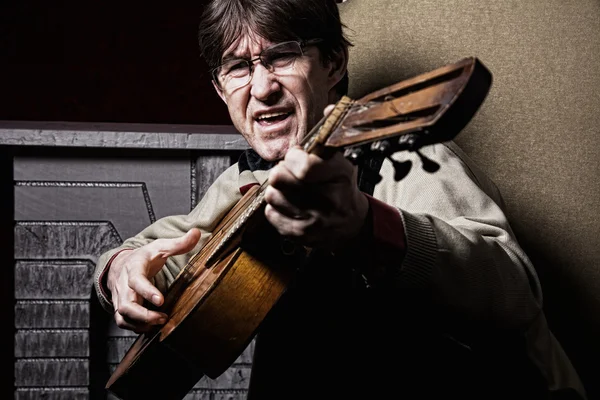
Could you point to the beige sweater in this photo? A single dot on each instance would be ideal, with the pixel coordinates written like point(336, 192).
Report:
point(459, 245)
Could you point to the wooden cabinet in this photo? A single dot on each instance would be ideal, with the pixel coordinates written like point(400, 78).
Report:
point(71, 192)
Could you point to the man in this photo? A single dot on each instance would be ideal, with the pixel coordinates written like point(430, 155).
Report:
point(424, 290)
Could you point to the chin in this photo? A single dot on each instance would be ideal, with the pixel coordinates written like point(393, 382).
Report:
point(269, 154)
point(273, 155)
point(275, 150)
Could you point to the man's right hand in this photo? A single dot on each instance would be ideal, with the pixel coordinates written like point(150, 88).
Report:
point(129, 280)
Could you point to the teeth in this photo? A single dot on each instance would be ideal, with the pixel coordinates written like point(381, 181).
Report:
point(272, 115)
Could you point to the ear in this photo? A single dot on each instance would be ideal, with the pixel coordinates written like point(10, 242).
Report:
point(219, 92)
point(338, 67)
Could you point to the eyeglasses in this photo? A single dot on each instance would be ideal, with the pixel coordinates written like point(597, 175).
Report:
point(236, 73)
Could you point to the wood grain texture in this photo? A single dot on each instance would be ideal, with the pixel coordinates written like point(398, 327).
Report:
point(53, 279)
point(52, 394)
point(7, 282)
point(70, 208)
point(53, 287)
point(58, 239)
point(52, 314)
point(215, 395)
point(128, 136)
point(51, 372)
point(236, 377)
point(205, 170)
point(202, 394)
point(52, 343)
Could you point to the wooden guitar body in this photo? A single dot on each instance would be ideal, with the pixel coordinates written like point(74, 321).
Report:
point(215, 312)
point(219, 300)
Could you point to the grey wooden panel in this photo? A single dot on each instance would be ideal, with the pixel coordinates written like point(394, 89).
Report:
point(204, 172)
point(53, 279)
point(125, 207)
point(235, 377)
point(52, 394)
point(35, 239)
point(167, 179)
point(223, 394)
point(52, 314)
point(55, 261)
point(116, 347)
point(37, 372)
point(217, 394)
point(104, 188)
point(52, 343)
point(68, 212)
point(121, 135)
point(247, 354)
point(115, 331)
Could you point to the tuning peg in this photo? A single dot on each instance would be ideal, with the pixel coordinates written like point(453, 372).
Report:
point(428, 164)
point(401, 169)
point(407, 142)
point(354, 154)
point(383, 147)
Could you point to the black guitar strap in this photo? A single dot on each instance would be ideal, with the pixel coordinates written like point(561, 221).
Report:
point(368, 173)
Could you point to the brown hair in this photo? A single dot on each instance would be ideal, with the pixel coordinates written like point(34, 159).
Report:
point(224, 21)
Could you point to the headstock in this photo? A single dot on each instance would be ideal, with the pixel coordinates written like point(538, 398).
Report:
point(429, 108)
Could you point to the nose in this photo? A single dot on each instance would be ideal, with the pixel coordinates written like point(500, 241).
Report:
point(264, 83)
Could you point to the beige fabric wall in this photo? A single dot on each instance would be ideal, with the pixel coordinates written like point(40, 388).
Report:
point(537, 135)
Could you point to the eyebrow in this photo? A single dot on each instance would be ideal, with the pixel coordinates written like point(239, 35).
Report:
point(231, 57)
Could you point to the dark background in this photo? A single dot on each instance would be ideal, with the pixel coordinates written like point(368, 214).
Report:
point(104, 61)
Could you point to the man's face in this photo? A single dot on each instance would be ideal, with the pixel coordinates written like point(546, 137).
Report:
point(276, 109)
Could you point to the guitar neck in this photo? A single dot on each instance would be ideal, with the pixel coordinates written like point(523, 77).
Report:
point(313, 142)
point(426, 109)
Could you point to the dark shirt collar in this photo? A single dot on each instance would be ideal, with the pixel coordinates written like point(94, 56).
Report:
point(250, 161)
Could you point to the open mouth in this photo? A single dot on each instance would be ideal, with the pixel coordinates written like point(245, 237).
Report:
point(272, 118)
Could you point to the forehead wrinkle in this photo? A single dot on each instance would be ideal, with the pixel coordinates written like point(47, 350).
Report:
point(247, 40)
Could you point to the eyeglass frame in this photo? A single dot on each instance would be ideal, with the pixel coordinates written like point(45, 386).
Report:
point(251, 62)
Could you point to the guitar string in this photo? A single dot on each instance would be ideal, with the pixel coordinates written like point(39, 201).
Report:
point(217, 240)
point(325, 122)
point(221, 236)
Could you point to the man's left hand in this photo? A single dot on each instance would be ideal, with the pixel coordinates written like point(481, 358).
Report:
point(315, 201)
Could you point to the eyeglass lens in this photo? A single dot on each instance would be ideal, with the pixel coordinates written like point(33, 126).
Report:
point(236, 73)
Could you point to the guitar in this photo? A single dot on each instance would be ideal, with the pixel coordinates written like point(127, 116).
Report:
point(220, 298)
